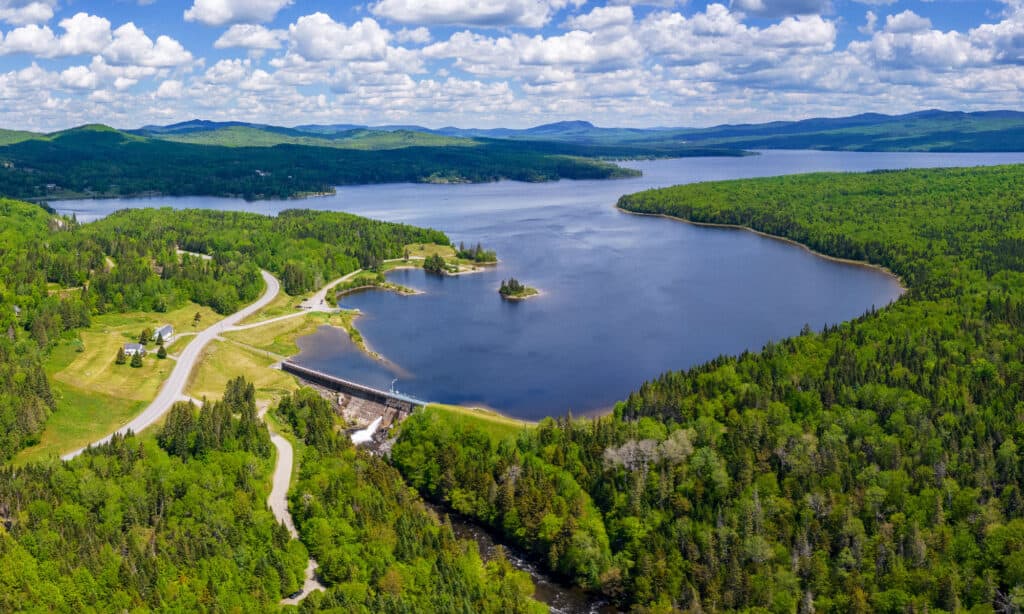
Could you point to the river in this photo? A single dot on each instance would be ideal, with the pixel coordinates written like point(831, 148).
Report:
point(624, 297)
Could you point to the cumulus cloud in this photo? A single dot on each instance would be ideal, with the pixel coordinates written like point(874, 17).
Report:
point(418, 36)
point(490, 13)
point(781, 8)
point(250, 36)
point(170, 89)
point(907, 22)
point(318, 37)
point(21, 13)
point(602, 17)
point(221, 12)
point(130, 45)
point(79, 77)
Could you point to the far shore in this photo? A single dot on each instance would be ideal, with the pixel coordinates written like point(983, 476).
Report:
point(860, 263)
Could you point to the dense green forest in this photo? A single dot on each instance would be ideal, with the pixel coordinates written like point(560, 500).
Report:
point(56, 274)
point(136, 525)
point(379, 548)
point(99, 161)
point(875, 466)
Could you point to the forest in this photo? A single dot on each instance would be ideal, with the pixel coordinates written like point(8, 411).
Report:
point(55, 274)
point(379, 548)
point(141, 525)
point(873, 466)
point(94, 161)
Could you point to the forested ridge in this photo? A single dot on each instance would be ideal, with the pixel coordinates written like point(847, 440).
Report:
point(874, 466)
point(99, 161)
point(56, 274)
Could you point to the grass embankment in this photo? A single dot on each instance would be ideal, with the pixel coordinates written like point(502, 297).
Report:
point(497, 426)
point(96, 396)
point(279, 337)
point(283, 304)
point(224, 360)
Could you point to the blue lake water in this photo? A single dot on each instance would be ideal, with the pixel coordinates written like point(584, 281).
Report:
point(625, 297)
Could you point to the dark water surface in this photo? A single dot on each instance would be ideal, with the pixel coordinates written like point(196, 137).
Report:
point(625, 298)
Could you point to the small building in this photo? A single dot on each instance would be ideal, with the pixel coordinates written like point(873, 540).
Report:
point(131, 349)
point(166, 332)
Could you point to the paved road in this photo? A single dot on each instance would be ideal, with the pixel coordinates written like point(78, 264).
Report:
point(277, 501)
point(173, 389)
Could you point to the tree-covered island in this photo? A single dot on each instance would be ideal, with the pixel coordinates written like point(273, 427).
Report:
point(513, 290)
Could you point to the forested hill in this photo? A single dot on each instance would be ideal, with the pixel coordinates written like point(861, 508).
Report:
point(55, 275)
point(872, 467)
point(253, 164)
point(932, 130)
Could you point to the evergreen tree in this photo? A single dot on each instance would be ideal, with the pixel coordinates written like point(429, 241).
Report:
point(137, 359)
point(121, 358)
point(162, 352)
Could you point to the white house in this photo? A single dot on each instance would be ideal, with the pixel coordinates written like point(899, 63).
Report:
point(166, 331)
point(131, 349)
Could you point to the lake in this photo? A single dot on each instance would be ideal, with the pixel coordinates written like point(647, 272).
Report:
point(625, 297)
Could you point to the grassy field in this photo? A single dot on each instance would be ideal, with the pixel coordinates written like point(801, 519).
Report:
point(279, 337)
point(423, 250)
point(93, 369)
point(95, 396)
point(224, 360)
point(82, 415)
point(497, 426)
point(282, 304)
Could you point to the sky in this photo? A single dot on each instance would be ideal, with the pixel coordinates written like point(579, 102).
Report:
point(511, 63)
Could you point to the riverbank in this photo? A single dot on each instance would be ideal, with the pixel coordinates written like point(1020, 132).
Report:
point(860, 263)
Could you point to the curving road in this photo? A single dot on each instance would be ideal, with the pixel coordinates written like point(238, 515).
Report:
point(173, 389)
point(277, 501)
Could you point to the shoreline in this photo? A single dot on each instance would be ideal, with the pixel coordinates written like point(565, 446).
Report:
point(401, 291)
point(861, 263)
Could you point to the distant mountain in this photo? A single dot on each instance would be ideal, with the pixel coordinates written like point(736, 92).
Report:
point(931, 130)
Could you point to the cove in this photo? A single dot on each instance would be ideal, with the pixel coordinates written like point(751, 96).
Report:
point(625, 297)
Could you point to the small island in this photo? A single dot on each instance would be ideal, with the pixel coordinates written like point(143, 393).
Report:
point(513, 290)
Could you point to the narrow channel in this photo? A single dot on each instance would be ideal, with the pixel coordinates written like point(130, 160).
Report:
point(559, 597)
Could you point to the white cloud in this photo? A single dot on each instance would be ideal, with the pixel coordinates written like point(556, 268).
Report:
point(781, 8)
point(84, 33)
point(19, 13)
point(79, 77)
point(907, 22)
point(488, 13)
point(130, 45)
point(318, 37)
point(870, 21)
point(221, 12)
point(227, 71)
point(170, 89)
point(602, 17)
point(418, 36)
point(249, 36)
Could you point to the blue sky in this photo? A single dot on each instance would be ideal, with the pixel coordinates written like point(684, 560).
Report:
point(492, 63)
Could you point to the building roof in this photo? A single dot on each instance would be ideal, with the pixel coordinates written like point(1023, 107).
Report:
point(165, 329)
point(134, 346)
